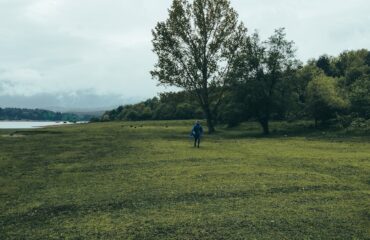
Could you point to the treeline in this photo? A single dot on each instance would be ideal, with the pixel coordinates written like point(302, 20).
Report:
point(168, 106)
point(330, 90)
point(13, 114)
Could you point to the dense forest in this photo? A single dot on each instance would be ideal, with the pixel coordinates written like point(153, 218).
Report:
point(330, 90)
point(40, 115)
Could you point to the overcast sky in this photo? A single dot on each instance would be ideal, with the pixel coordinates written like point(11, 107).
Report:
point(66, 50)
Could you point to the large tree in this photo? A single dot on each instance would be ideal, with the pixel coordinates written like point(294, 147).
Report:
point(196, 46)
point(324, 100)
point(264, 76)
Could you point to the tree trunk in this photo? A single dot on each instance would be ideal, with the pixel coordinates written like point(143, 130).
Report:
point(210, 123)
point(211, 127)
point(203, 102)
point(265, 126)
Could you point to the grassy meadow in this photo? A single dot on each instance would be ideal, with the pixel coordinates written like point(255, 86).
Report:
point(144, 180)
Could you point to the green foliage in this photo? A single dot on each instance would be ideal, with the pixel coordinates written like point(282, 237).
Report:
point(231, 113)
point(327, 64)
point(355, 72)
point(360, 97)
point(300, 82)
point(323, 99)
point(113, 181)
point(170, 106)
point(165, 111)
point(352, 64)
point(264, 75)
point(184, 111)
point(196, 46)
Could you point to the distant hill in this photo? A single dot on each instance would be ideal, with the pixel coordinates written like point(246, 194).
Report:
point(43, 115)
point(66, 102)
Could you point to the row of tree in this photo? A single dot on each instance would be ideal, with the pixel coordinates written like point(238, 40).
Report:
point(168, 106)
point(330, 90)
point(233, 76)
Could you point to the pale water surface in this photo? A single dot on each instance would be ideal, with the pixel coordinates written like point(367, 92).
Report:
point(27, 124)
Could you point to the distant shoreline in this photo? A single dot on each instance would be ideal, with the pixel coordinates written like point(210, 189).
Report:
point(29, 124)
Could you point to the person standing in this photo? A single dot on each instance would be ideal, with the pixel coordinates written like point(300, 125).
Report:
point(197, 133)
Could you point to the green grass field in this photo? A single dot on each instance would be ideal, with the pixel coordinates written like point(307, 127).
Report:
point(144, 180)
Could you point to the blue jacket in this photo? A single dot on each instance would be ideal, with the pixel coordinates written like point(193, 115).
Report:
point(197, 131)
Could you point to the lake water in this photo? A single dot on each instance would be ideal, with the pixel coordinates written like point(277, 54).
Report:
point(28, 124)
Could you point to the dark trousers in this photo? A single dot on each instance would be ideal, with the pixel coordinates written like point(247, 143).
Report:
point(196, 141)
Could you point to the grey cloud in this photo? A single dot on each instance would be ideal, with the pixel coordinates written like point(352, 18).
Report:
point(317, 26)
point(68, 46)
point(83, 99)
